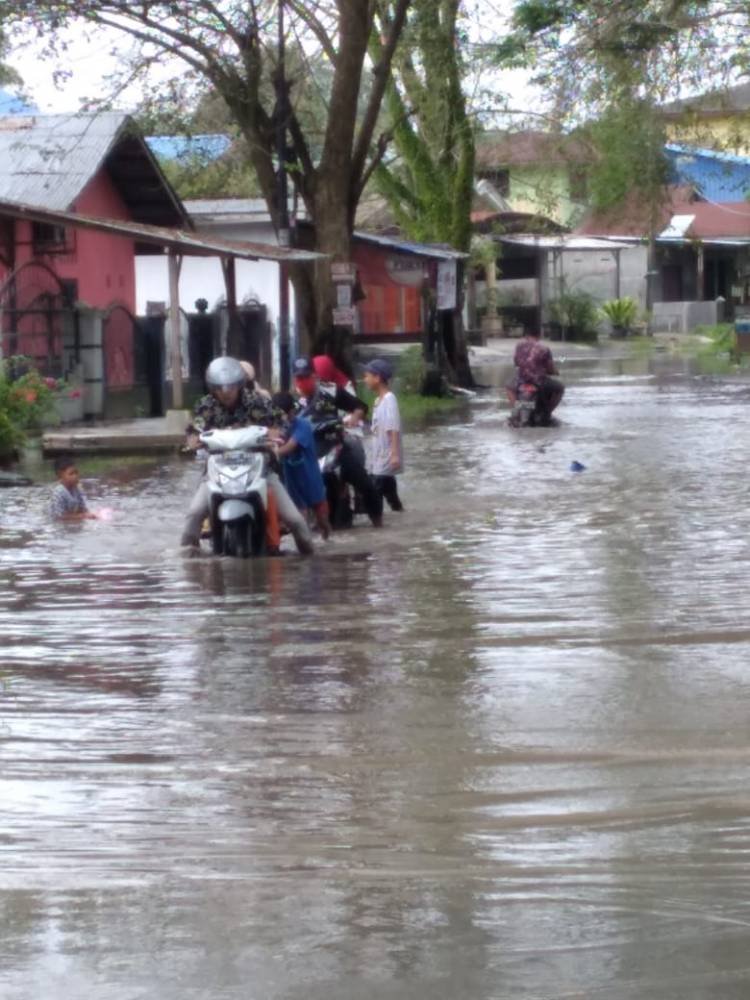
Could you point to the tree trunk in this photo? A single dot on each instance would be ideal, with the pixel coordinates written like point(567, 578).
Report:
point(333, 238)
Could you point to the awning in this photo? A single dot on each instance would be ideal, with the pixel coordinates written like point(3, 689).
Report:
point(175, 240)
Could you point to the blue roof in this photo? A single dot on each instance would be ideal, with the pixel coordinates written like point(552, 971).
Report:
point(717, 176)
point(189, 147)
point(10, 104)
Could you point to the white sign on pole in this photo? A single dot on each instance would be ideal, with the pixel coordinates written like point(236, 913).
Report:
point(344, 316)
point(343, 295)
point(344, 271)
point(446, 284)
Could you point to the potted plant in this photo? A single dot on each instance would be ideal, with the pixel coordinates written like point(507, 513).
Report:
point(67, 400)
point(622, 315)
point(574, 313)
point(25, 399)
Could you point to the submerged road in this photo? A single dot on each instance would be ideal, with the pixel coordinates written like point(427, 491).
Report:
point(500, 749)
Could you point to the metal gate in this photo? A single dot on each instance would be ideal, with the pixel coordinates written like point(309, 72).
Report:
point(38, 319)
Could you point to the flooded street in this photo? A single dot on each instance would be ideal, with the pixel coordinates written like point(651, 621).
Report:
point(500, 749)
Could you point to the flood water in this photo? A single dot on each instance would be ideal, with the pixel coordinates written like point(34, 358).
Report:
point(500, 749)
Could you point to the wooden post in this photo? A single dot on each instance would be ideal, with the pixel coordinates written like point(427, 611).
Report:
point(700, 267)
point(232, 345)
point(175, 262)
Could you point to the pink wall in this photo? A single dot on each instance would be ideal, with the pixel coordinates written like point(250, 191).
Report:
point(102, 264)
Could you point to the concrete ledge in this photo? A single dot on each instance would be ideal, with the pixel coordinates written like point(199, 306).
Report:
point(133, 436)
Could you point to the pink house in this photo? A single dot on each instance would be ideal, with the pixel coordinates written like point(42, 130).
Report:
point(92, 164)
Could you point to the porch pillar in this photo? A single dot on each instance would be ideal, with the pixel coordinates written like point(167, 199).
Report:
point(229, 268)
point(175, 263)
point(616, 255)
point(700, 267)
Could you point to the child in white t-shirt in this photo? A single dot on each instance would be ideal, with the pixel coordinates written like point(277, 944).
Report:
point(387, 458)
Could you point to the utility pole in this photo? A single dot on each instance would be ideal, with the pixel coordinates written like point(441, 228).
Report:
point(283, 229)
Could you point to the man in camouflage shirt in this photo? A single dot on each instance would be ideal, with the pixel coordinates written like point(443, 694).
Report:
point(230, 403)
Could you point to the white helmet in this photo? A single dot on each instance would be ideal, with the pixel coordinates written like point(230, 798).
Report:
point(224, 373)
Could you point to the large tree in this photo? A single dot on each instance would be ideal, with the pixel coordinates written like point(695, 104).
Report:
point(229, 46)
point(428, 180)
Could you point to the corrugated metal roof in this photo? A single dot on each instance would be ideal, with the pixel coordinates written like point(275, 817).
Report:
point(406, 246)
point(160, 236)
point(47, 160)
point(563, 242)
point(678, 226)
point(718, 176)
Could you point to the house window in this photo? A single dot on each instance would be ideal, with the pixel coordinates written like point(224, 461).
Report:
point(49, 238)
point(70, 289)
point(578, 183)
point(499, 179)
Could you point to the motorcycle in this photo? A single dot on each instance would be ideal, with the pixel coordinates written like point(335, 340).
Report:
point(343, 501)
point(530, 409)
point(236, 475)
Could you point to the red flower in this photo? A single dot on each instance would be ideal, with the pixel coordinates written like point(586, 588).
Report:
point(75, 393)
point(50, 383)
point(30, 396)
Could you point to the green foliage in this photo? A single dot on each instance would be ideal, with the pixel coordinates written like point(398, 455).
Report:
point(25, 399)
point(621, 313)
point(411, 370)
point(430, 183)
point(576, 314)
point(722, 336)
point(231, 176)
point(627, 142)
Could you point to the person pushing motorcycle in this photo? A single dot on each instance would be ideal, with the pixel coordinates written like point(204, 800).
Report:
point(534, 363)
point(321, 402)
point(230, 402)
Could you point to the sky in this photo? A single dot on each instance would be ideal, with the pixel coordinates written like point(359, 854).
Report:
point(92, 55)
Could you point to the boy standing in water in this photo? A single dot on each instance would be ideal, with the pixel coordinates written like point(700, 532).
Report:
point(302, 476)
point(387, 455)
point(68, 502)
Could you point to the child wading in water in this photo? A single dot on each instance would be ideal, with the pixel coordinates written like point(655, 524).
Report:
point(302, 476)
point(68, 502)
point(386, 453)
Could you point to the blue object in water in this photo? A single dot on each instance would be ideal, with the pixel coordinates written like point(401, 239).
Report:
point(577, 467)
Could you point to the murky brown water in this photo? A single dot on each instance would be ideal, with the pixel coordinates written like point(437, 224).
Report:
point(499, 750)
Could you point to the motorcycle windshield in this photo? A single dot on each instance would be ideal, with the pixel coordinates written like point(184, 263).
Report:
point(234, 438)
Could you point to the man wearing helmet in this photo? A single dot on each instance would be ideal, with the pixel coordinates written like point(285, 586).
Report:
point(231, 403)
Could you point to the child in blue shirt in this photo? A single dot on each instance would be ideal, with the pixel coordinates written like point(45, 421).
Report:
point(302, 476)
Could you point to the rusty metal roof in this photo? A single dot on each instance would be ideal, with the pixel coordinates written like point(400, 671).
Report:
point(399, 245)
point(47, 161)
point(148, 237)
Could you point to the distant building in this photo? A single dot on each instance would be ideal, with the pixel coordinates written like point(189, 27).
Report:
point(719, 119)
point(537, 173)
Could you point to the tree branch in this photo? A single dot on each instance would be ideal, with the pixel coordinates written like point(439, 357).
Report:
point(381, 73)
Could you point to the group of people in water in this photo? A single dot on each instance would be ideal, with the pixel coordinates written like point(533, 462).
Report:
point(324, 400)
point(324, 406)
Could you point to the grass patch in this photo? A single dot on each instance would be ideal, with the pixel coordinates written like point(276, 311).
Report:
point(408, 380)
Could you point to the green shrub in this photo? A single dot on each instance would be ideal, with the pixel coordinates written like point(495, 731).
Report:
point(576, 314)
point(621, 313)
point(25, 398)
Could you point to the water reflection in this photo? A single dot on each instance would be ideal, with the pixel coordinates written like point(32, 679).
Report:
point(498, 749)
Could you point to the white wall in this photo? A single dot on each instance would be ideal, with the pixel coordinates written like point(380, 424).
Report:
point(202, 278)
point(594, 272)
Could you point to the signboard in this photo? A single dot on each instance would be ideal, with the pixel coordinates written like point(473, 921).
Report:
point(344, 271)
point(343, 295)
point(405, 270)
point(446, 284)
point(344, 316)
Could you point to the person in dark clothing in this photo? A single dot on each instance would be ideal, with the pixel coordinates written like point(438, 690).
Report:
point(322, 403)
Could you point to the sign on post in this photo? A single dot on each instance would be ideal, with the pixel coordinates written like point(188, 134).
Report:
point(344, 272)
point(446, 284)
point(344, 316)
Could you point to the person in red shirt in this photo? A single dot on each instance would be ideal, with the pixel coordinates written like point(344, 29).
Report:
point(534, 363)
